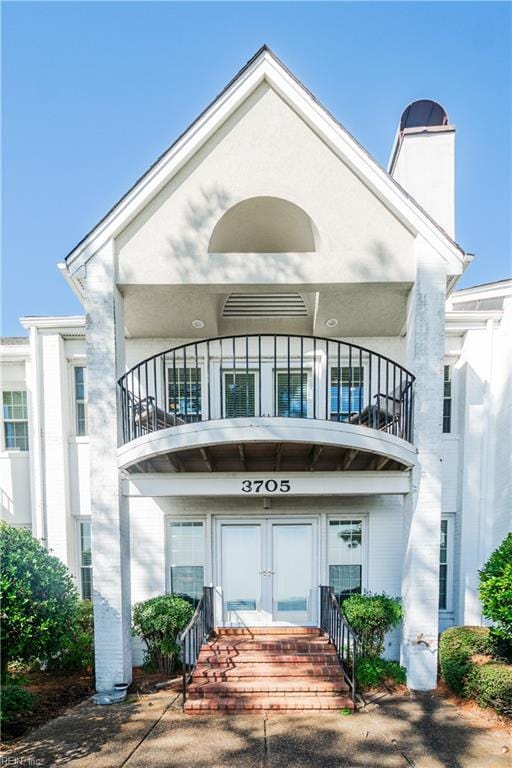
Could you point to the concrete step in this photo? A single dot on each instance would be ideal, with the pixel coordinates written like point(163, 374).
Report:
point(267, 703)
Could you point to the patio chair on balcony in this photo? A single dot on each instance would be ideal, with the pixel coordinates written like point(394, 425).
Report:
point(384, 413)
point(148, 417)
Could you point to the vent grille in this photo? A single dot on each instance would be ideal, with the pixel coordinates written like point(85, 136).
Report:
point(264, 305)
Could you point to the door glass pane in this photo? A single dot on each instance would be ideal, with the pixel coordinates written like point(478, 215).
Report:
point(292, 550)
point(240, 393)
point(292, 394)
point(241, 567)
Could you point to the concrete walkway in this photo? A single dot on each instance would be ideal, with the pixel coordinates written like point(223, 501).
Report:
point(152, 732)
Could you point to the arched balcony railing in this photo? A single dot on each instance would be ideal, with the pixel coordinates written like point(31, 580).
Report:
point(267, 375)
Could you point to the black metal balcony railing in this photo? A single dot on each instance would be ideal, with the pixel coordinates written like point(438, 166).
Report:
point(267, 375)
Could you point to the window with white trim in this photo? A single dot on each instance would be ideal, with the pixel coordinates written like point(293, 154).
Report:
point(187, 555)
point(80, 391)
point(239, 393)
point(447, 399)
point(85, 559)
point(345, 557)
point(15, 420)
point(292, 393)
point(346, 392)
point(443, 567)
point(184, 392)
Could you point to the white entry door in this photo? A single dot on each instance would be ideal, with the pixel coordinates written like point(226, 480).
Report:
point(267, 572)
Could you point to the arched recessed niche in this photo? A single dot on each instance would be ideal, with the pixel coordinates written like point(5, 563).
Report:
point(264, 225)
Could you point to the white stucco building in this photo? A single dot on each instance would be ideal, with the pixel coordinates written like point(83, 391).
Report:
point(276, 384)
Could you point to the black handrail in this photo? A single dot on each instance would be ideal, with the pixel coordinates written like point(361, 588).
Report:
point(227, 377)
point(341, 634)
point(194, 635)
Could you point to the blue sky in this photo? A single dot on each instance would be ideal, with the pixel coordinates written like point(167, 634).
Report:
point(94, 92)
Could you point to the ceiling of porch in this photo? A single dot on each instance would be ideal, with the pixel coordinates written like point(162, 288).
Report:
point(267, 457)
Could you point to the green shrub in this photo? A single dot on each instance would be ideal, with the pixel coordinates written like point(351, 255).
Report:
point(158, 622)
point(491, 686)
point(456, 647)
point(38, 598)
point(371, 616)
point(496, 594)
point(372, 672)
point(13, 700)
point(78, 656)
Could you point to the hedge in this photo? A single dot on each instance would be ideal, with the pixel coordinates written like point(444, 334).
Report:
point(456, 647)
point(491, 686)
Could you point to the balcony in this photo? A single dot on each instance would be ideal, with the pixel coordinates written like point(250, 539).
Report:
point(266, 402)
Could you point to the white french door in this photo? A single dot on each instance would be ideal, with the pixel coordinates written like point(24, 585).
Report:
point(267, 572)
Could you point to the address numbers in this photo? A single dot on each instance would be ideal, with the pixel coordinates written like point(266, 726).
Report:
point(266, 486)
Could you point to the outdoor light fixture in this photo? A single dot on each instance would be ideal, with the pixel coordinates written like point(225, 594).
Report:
point(198, 323)
point(331, 322)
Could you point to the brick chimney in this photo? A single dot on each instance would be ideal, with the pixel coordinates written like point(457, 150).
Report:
point(423, 160)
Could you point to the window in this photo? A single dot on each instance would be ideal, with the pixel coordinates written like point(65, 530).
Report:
point(80, 400)
point(292, 394)
point(239, 394)
point(443, 567)
point(184, 389)
point(15, 420)
point(85, 560)
point(346, 395)
point(345, 557)
point(447, 399)
point(187, 559)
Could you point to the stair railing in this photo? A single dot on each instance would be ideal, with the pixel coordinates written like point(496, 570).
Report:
point(334, 624)
point(194, 635)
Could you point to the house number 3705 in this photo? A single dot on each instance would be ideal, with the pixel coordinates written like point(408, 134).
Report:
point(266, 486)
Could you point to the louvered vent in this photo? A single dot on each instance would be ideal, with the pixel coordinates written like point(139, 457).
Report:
point(265, 305)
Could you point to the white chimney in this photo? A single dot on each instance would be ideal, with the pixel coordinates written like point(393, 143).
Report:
point(423, 160)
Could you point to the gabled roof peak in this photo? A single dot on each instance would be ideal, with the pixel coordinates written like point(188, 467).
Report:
point(264, 65)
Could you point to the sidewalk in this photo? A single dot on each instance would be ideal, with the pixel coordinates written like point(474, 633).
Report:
point(152, 732)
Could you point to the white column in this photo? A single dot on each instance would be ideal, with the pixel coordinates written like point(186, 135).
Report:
point(109, 512)
point(59, 533)
point(420, 579)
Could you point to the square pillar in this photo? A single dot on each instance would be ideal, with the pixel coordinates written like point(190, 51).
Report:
point(422, 518)
point(109, 512)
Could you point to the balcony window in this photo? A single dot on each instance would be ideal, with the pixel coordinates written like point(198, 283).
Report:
point(346, 392)
point(187, 553)
point(345, 557)
point(447, 399)
point(85, 560)
point(15, 420)
point(239, 394)
point(292, 394)
point(184, 388)
point(80, 400)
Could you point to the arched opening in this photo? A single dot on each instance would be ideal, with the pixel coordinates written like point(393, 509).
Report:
point(263, 225)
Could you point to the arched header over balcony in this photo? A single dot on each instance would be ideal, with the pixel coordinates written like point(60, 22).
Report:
point(286, 401)
point(264, 225)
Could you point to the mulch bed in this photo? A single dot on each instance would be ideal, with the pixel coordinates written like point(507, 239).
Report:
point(54, 693)
point(57, 692)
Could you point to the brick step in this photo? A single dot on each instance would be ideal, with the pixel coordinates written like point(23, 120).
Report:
point(267, 703)
point(271, 631)
point(264, 670)
point(265, 657)
point(275, 687)
point(316, 645)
